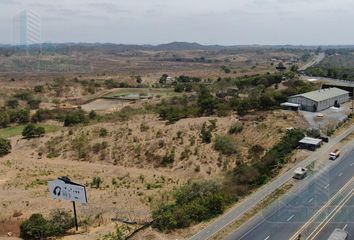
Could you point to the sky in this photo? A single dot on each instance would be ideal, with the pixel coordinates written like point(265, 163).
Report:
point(225, 22)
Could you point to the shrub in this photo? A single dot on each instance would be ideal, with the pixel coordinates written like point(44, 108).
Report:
point(169, 158)
point(31, 131)
point(81, 145)
point(5, 147)
point(103, 132)
point(315, 133)
point(224, 145)
point(12, 103)
point(34, 103)
point(37, 227)
point(19, 116)
point(38, 89)
point(193, 203)
point(255, 151)
point(75, 117)
point(205, 133)
point(92, 115)
point(24, 95)
point(236, 128)
point(42, 115)
point(96, 182)
point(4, 119)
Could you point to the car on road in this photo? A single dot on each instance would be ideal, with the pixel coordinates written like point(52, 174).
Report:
point(334, 155)
point(338, 234)
point(300, 173)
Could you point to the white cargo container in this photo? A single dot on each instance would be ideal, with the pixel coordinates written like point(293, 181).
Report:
point(339, 234)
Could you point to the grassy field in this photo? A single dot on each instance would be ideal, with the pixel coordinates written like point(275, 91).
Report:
point(17, 130)
point(142, 91)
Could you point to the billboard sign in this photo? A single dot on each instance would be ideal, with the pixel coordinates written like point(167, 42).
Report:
point(67, 190)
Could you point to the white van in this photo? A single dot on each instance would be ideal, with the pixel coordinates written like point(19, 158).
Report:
point(300, 173)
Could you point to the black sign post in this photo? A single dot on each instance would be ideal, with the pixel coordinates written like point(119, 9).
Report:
point(76, 225)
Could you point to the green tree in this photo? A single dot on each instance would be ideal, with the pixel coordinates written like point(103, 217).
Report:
point(5, 147)
point(206, 101)
point(4, 119)
point(75, 117)
point(179, 88)
point(224, 145)
point(12, 103)
point(205, 134)
point(31, 131)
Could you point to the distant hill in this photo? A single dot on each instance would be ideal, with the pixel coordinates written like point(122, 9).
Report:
point(111, 48)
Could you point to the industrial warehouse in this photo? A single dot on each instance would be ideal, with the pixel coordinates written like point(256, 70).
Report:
point(318, 100)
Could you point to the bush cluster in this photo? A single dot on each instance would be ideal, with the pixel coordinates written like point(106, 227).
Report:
point(193, 203)
point(248, 176)
point(37, 227)
point(5, 147)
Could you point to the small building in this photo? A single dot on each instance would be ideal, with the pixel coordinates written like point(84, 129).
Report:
point(321, 99)
point(344, 85)
point(310, 143)
point(170, 80)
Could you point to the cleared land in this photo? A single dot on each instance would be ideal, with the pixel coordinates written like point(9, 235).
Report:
point(138, 156)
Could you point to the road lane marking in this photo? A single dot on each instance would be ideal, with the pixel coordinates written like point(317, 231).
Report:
point(267, 238)
point(331, 215)
point(341, 174)
point(346, 225)
point(295, 236)
point(310, 200)
point(291, 217)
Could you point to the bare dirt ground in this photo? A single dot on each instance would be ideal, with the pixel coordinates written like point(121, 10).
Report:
point(131, 183)
point(130, 163)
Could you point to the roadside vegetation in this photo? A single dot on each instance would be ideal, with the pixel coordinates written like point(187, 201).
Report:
point(200, 201)
point(338, 64)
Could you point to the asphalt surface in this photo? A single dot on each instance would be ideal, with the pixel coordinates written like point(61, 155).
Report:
point(344, 219)
point(284, 218)
point(315, 61)
point(251, 201)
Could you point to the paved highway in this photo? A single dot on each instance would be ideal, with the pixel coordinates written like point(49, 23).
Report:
point(317, 59)
point(284, 218)
point(251, 201)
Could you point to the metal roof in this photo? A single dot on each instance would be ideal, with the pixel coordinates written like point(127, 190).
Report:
point(287, 104)
point(310, 141)
point(323, 94)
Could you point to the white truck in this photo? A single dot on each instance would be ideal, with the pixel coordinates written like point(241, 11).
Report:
point(338, 234)
point(300, 173)
point(334, 155)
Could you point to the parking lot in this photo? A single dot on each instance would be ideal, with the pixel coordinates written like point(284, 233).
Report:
point(328, 118)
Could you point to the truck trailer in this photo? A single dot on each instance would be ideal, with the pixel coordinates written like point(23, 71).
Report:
point(334, 155)
point(338, 234)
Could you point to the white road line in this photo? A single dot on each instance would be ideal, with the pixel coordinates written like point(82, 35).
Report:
point(341, 174)
point(291, 217)
point(346, 225)
point(267, 238)
point(326, 186)
point(310, 200)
